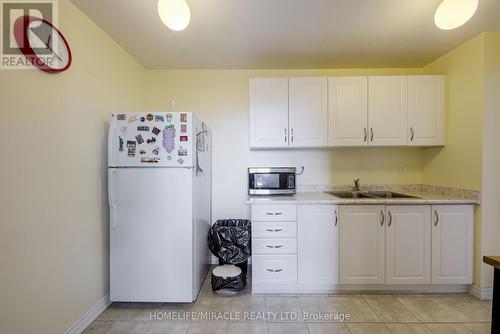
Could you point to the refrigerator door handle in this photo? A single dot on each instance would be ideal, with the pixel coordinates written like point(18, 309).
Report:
point(112, 197)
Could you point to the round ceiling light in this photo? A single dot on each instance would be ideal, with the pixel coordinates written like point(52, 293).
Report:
point(175, 14)
point(452, 14)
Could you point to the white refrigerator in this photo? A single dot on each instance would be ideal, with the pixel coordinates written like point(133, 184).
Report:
point(159, 183)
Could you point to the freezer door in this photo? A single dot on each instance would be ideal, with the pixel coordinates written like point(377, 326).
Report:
point(150, 139)
point(151, 234)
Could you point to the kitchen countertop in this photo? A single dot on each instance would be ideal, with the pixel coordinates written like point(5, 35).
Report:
point(492, 261)
point(318, 197)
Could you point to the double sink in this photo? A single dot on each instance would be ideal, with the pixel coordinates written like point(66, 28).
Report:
point(369, 194)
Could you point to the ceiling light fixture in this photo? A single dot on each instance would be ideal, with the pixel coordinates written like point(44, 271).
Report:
point(452, 14)
point(175, 14)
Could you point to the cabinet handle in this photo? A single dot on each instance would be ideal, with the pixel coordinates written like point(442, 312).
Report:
point(437, 217)
point(274, 230)
point(371, 132)
point(285, 135)
point(277, 246)
point(291, 133)
point(412, 134)
point(390, 219)
point(274, 270)
point(382, 216)
point(366, 134)
point(336, 217)
point(274, 213)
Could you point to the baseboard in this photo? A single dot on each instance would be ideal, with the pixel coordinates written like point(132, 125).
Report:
point(89, 317)
point(481, 293)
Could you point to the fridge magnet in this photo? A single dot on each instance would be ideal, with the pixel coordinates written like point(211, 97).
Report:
point(156, 131)
point(169, 157)
point(151, 140)
point(123, 130)
point(156, 151)
point(132, 118)
point(131, 148)
point(121, 117)
point(142, 119)
point(139, 139)
point(150, 160)
point(142, 152)
point(184, 118)
point(159, 118)
point(168, 117)
point(182, 152)
point(180, 161)
point(184, 138)
point(183, 128)
point(149, 117)
point(168, 142)
point(143, 128)
point(120, 141)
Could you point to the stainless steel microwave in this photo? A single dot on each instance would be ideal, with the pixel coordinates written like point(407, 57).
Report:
point(271, 180)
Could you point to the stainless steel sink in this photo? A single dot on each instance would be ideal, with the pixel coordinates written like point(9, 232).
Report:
point(369, 194)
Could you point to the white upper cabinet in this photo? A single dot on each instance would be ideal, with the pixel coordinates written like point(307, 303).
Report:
point(452, 236)
point(268, 112)
point(348, 111)
point(308, 112)
point(318, 254)
point(408, 244)
point(362, 242)
point(388, 110)
point(425, 110)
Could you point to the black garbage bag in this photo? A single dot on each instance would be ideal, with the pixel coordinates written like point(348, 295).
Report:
point(229, 240)
point(231, 283)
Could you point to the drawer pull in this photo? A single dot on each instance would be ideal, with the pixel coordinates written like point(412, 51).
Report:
point(274, 230)
point(274, 213)
point(274, 270)
point(277, 246)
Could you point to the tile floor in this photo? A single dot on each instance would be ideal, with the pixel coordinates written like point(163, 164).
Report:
point(371, 314)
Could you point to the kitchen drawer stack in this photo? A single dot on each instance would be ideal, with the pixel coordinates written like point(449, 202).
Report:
point(274, 246)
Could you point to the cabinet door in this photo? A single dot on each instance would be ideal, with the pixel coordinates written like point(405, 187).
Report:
point(308, 112)
point(348, 111)
point(388, 110)
point(268, 112)
point(318, 244)
point(452, 234)
point(425, 110)
point(408, 244)
point(362, 244)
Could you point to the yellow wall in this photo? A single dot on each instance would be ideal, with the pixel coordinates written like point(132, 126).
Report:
point(221, 99)
point(53, 197)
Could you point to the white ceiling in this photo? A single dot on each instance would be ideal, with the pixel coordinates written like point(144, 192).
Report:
point(249, 34)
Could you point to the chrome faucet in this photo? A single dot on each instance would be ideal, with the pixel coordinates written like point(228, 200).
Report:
point(356, 185)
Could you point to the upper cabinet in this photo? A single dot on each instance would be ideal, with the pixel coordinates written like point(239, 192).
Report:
point(388, 110)
point(308, 112)
point(268, 112)
point(347, 111)
point(425, 110)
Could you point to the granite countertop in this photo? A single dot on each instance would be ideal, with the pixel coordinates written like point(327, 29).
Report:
point(427, 195)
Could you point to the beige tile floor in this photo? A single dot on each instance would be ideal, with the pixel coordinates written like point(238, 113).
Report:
point(370, 314)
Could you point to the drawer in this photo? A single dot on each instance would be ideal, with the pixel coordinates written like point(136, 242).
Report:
point(274, 246)
point(274, 269)
point(274, 212)
point(274, 229)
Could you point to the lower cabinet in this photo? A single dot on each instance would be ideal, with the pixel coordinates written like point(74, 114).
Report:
point(408, 244)
point(452, 236)
point(318, 244)
point(362, 244)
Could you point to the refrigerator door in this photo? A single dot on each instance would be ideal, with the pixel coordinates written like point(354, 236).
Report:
point(150, 139)
point(151, 234)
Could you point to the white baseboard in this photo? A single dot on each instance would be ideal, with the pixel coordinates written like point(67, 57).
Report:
point(481, 293)
point(89, 317)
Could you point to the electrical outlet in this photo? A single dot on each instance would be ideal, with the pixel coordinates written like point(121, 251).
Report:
point(402, 169)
